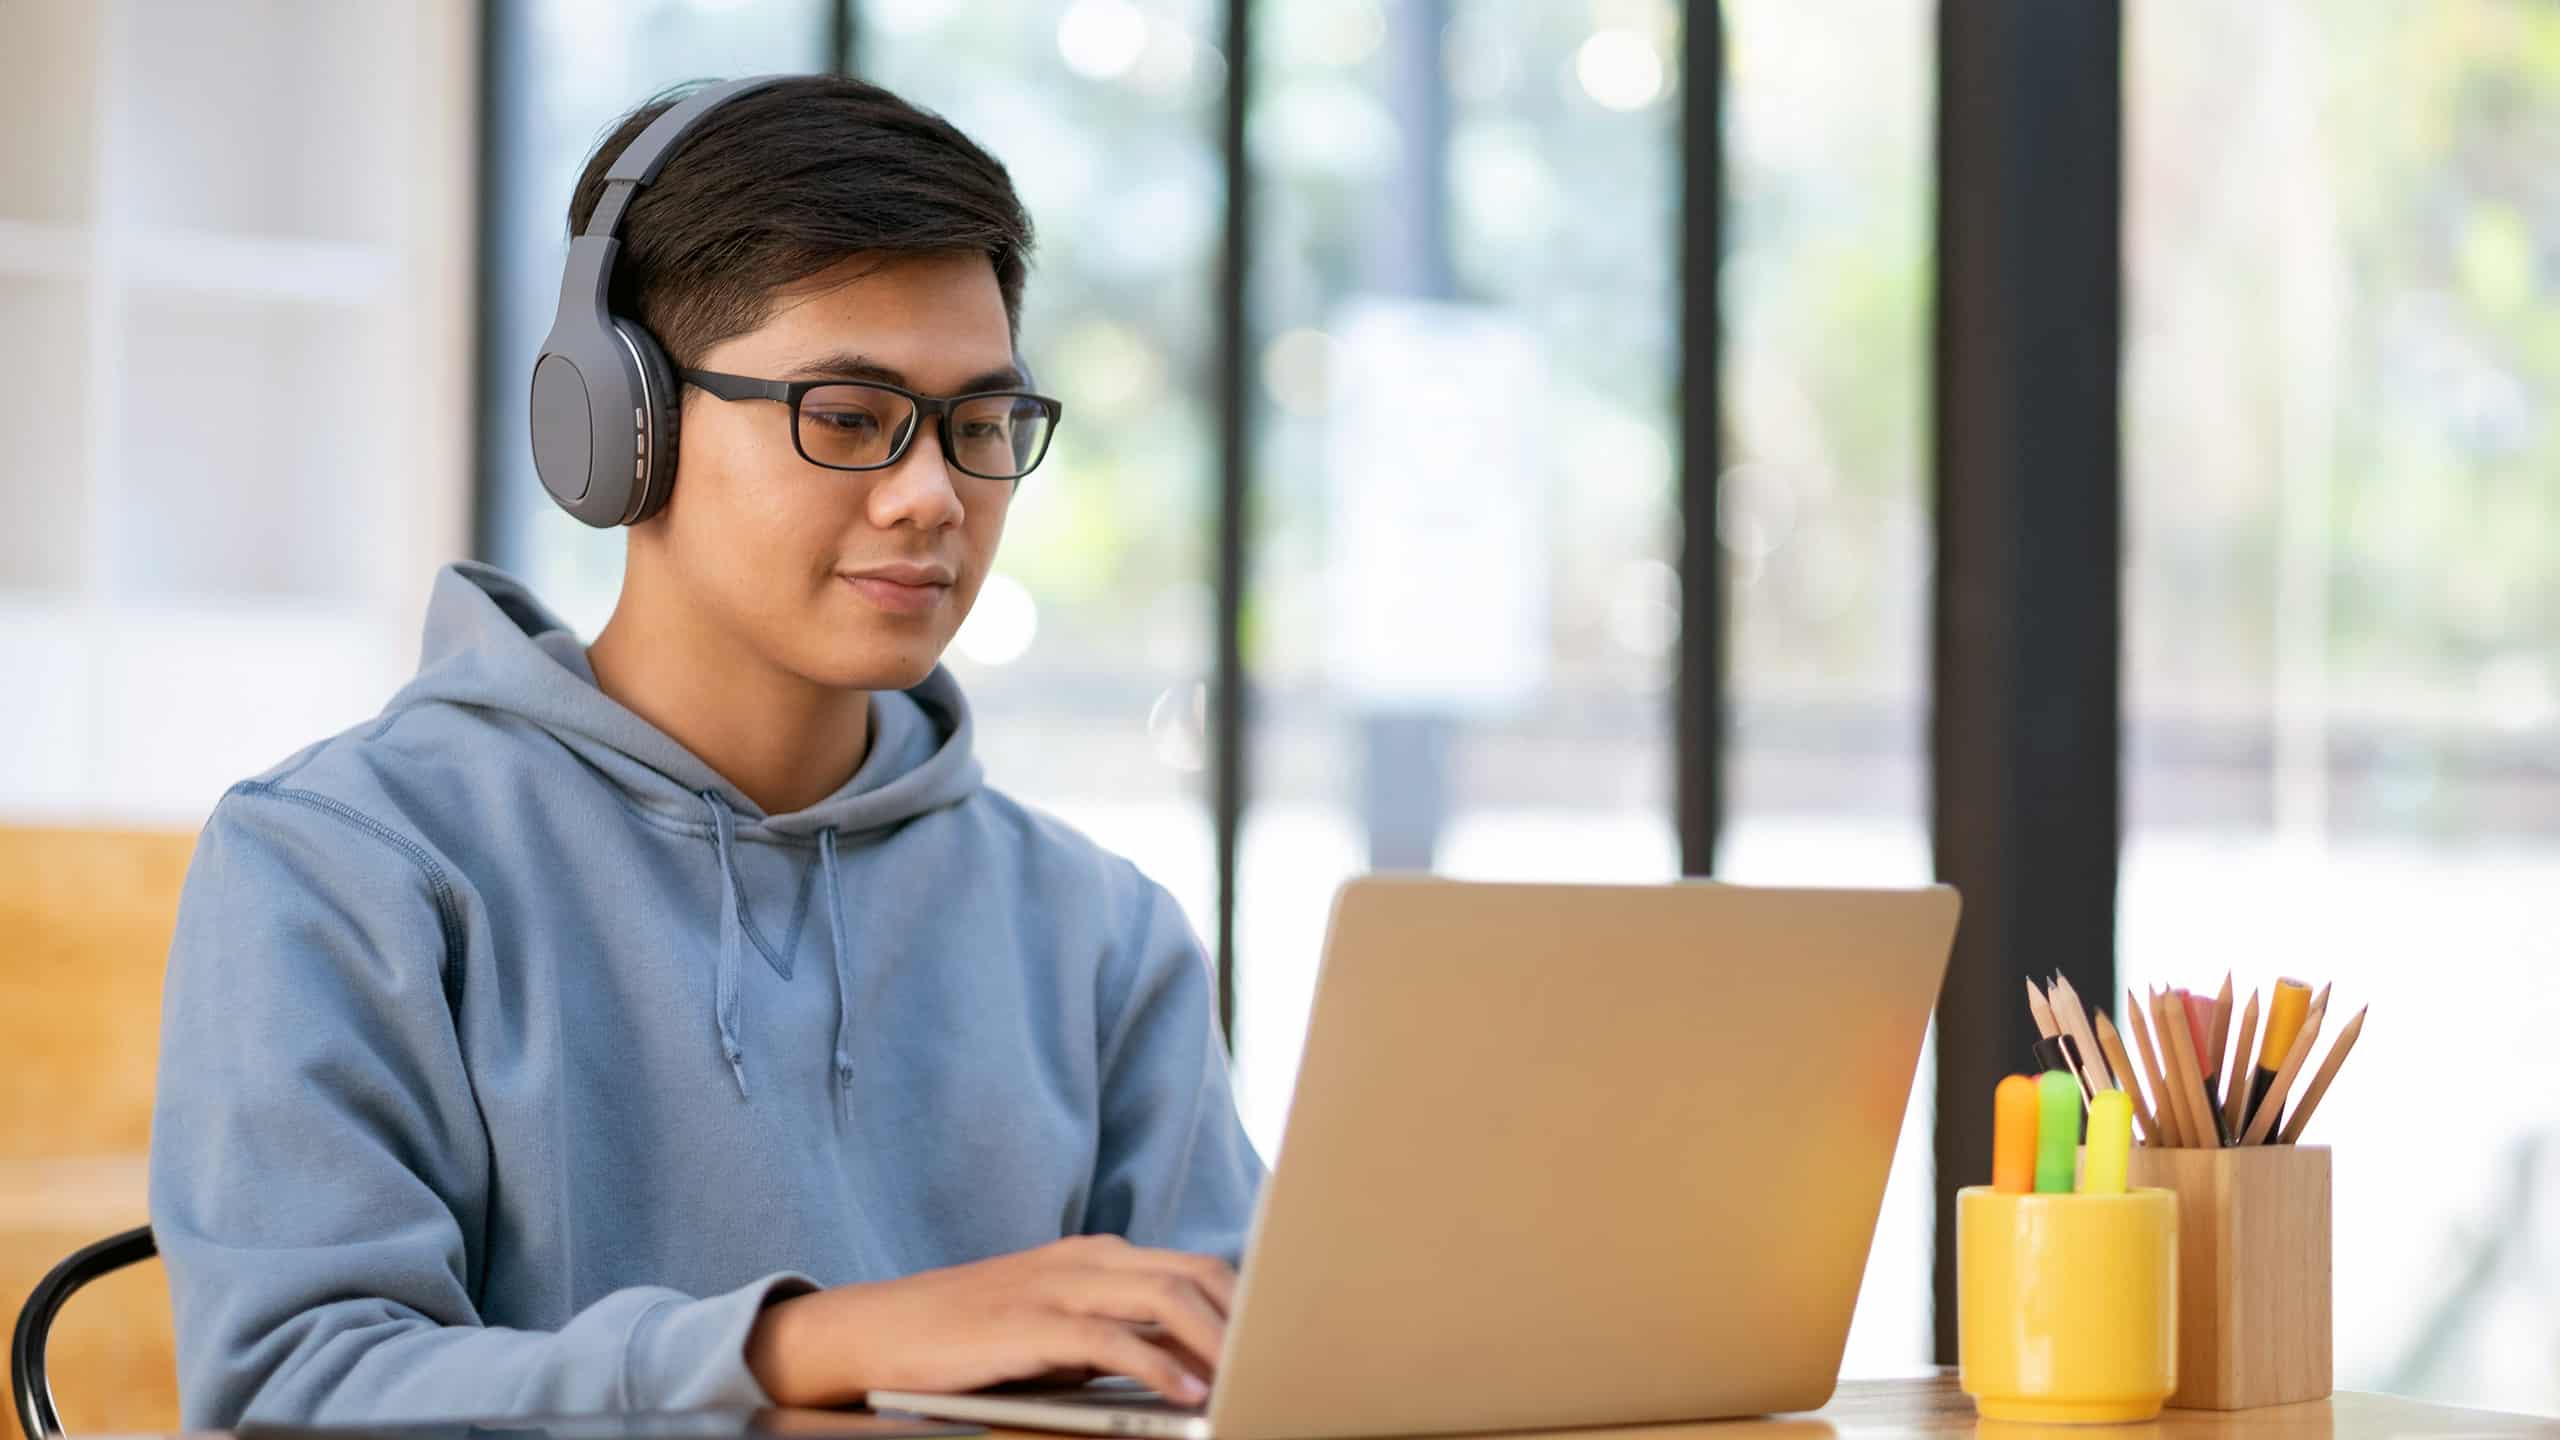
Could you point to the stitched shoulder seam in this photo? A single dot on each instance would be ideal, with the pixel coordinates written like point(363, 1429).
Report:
point(448, 907)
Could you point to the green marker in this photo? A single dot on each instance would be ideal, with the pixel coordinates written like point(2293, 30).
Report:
point(2057, 1132)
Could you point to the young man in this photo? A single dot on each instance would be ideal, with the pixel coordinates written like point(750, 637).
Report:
point(679, 1020)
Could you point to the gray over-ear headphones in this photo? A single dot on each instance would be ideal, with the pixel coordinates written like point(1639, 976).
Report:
point(597, 367)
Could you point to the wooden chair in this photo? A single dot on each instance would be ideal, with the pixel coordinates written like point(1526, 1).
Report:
point(85, 920)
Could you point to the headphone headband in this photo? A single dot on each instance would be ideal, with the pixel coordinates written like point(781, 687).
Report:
point(642, 159)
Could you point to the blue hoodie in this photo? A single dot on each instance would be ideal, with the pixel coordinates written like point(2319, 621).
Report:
point(512, 1059)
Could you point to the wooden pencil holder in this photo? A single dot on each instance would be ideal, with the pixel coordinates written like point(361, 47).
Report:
point(2253, 1272)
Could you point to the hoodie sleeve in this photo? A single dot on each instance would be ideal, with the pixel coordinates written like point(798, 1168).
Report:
point(319, 1175)
point(1174, 1169)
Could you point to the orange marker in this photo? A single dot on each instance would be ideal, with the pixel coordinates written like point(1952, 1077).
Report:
point(2013, 1136)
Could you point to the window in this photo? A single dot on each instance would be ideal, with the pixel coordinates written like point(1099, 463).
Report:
point(1090, 649)
point(1825, 525)
point(1463, 598)
point(2343, 664)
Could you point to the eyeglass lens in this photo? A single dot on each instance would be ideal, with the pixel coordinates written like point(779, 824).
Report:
point(858, 427)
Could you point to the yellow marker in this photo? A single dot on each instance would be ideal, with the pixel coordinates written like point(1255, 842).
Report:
point(2110, 1144)
point(2013, 1136)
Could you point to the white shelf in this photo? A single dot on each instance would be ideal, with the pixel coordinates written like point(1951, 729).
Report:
point(44, 452)
point(235, 402)
point(31, 248)
point(98, 731)
point(202, 262)
point(314, 95)
point(244, 468)
point(48, 728)
point(254, 685)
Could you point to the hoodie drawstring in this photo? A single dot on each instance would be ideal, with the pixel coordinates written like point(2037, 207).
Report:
point(844, 958)
point(726, 980)
point(725, 986)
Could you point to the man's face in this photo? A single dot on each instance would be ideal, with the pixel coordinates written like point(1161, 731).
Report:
point(781, 554)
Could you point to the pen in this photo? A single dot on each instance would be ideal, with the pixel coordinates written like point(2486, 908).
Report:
point(2049, 1056)
point(2076, 1065)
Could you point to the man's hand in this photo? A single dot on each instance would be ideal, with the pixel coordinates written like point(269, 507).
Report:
point(1090, 1304)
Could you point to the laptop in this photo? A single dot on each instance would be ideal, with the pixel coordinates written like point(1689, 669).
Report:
point(1561, 1156)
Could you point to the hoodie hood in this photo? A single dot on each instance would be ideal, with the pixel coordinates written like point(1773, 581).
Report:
point(491, 644)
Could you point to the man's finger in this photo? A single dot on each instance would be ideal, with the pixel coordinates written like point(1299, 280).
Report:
point(1158, 1297)
point(1215, 1277)
point(1115, 1349)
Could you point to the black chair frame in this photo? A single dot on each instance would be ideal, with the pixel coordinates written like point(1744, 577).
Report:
point(27, 1381)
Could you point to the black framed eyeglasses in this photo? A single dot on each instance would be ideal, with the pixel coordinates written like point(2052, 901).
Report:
point(868, 424)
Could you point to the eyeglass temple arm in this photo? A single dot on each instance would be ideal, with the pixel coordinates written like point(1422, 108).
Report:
point(737, 387)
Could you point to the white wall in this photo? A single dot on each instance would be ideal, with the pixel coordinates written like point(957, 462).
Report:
point(235, 330)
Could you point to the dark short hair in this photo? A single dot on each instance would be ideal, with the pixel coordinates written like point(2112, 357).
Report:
point(787, 181)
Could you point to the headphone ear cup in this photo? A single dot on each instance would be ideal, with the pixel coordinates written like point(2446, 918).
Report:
point(563, 417)
point(658, 382)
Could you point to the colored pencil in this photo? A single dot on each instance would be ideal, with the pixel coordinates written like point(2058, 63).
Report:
point(2272, 1107)
point(2235, 1093)
point(2171, 1131)
point(2041, 1010)
point(2220, 1034)
point(2113, 1044)
point(2074, 1019)
point(2199, 1013)
point(2289, 1002)
point(2320, 1081)
point(2185, 1076)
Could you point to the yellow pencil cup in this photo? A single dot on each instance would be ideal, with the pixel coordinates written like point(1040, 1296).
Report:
point(2067, 1305)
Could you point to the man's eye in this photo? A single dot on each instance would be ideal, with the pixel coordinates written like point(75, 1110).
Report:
point(850, 422)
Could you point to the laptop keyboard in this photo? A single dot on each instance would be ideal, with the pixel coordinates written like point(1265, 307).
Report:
point(1102, 1398)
